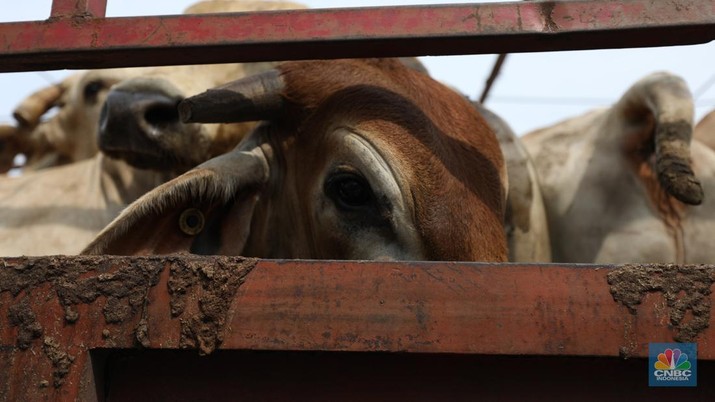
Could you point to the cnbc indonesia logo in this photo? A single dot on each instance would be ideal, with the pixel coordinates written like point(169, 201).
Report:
point(673, 367)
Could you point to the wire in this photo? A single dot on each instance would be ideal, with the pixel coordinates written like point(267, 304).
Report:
point(47, 77)
point(704, 87)
point(565, 101)
point(496, 69)
point(537, 100)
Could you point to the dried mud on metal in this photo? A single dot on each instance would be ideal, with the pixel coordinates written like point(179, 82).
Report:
point(205, 286)
point(685, 288)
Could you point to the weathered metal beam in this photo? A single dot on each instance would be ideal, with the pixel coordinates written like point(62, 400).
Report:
point(78, 8)
point(54, 310)
point(367, 32)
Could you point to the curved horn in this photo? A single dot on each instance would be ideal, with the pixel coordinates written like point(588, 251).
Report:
point(666, 99)
point(258, 97)
point(672, 105)
point(29, 111)
point(674, 165)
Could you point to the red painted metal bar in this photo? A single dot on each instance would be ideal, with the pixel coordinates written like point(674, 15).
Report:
point(78, 8)
point(383, 31)
point(54, 311)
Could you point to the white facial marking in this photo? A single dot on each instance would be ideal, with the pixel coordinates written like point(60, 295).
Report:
point(382, 172)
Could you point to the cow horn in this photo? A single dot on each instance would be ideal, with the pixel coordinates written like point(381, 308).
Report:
point(7, 131)
point(258, 97)
point(674, 165)
point(29, 111)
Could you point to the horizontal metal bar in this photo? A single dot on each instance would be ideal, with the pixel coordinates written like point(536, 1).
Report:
point(335, 33)
point(77, 304)
point(78, 8)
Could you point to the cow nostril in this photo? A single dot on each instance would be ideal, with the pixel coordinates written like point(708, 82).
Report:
point(162, 115)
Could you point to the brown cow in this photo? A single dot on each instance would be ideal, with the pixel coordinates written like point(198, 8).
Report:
point(359, 159)
point(139, 123)
point(619, 185)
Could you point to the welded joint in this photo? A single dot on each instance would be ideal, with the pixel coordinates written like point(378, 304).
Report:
point(78, 9)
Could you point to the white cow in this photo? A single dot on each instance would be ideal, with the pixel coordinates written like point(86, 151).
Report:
point(618, 183)
point(705, 130)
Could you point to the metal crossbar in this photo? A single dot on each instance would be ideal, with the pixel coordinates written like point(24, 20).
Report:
point(78, 36)
point(465, 326)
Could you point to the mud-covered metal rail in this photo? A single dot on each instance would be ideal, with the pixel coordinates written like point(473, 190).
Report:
point(55, 312)
point(77, 36)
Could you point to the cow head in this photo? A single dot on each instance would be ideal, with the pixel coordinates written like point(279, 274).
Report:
point(58, 124)
point(357, 159)
point(139, 122)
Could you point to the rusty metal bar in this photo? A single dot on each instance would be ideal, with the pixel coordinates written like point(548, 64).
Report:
point(368, 32)
point(54, 308)
point(78, 8)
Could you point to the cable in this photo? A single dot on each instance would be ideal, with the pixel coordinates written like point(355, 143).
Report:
point(704, 87)
point(559, 101)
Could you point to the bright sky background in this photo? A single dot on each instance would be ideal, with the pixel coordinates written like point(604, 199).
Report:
point(534, 89)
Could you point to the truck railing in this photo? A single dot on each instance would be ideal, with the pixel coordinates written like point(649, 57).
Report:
point(115, 328)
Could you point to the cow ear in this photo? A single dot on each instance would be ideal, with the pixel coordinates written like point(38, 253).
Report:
point(205, 211)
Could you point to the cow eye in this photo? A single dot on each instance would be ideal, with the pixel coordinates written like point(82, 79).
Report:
point(349, 190)
point(91, 90)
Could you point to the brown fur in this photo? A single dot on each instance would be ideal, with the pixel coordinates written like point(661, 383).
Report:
point(458, 159)
point(452, 158)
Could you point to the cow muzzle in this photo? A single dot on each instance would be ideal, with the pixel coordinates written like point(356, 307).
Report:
point(137, 126)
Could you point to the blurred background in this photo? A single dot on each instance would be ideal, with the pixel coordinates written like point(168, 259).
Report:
point(534, 89)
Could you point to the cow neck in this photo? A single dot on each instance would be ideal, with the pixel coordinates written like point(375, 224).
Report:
point(123, 183)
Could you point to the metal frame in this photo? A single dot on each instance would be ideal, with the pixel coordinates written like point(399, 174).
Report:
point(80, 38)
point(65, 320)
point(70, 317)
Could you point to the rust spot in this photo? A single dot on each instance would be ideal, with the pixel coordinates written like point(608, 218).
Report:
point(80, 20)
point(686, 290)
point(547, 10)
